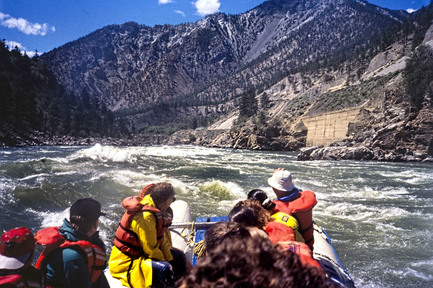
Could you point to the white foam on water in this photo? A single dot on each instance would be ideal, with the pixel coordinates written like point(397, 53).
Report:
point(365, 192)
point(180, 151)
point(309, 182)
point(6, 185)
point(108, 153)
point(128, 178)
point(64, 173)
point(423, 263)
point(408, 176)
point(50, 219)
point(354, 212)
point(417, 274)
point(41, 175)
point(61, 160)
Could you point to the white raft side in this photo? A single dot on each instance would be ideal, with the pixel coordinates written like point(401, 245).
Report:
point(322, 245)
point(181, 236)
point(323, 249)
point(181, 214)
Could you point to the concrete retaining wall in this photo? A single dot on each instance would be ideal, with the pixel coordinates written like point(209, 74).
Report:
point(330, 127)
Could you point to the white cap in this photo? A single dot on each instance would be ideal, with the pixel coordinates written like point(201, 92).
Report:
point(282, 180)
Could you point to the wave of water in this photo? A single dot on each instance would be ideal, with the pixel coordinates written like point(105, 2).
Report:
point(379, 215)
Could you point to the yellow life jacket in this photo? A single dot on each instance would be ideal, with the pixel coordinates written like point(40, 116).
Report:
point(289, 221)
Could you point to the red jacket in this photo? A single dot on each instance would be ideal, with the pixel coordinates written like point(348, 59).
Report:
point(302, 209)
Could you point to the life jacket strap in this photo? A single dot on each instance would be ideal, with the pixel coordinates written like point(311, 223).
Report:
point(302, 231)
point(129, 245)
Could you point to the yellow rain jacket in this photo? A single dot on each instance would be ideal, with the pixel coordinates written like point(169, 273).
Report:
point(140, 270)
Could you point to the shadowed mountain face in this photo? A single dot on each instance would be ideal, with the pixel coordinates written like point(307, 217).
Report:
point(134, 68)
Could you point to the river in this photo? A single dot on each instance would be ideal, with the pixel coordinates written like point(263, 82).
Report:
point(379, 215)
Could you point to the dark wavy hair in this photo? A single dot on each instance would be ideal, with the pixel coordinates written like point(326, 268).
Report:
point(263, 216)
point(252, 263)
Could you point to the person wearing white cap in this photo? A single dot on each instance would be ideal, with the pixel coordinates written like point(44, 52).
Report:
point(293, 201)
point(16, 254)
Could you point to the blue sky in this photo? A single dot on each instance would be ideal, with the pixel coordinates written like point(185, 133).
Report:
point(42, 25)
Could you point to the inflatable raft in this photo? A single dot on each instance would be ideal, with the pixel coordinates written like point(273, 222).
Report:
point(186, 232)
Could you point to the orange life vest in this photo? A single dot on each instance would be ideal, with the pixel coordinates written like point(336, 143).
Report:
point(51, 240)
point(302, 209)
point(127, 240)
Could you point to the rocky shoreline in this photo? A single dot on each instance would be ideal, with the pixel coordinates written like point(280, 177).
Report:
point(360, 153)
point(392, 135)
point(335, 153)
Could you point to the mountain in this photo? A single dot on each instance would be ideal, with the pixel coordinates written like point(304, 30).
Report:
point(135, 69)
point(329, 75)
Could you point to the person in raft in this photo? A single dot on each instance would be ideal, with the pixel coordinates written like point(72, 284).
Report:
point(16, 254)
point(294, 202)
point(74, 254)
point(142, 254)
point(239, 259)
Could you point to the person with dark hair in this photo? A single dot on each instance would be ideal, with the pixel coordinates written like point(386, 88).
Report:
point(245, 261)
point(261, 214)
point(291, 222)
point(244, 215)
point(142, 254)
point(74, 255)
point(294, 202)
point(221, 231)
point(261, 196)
point(16, 254)
point(281, 228)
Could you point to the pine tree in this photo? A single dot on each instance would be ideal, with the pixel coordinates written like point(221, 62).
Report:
point(248, 104)
point(264, 101)
point(418, 75)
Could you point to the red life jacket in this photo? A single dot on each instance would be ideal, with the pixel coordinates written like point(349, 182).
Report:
point(304, 253)
point(302, 209)
point(18, 281)
point(284, 236)
point(51, 240)
point(126, 240)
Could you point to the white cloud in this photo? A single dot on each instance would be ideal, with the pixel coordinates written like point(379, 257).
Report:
point(205, 7)
point(180, 12)
point(25, 26)
point(165, 1)
point(410, 10)
point(12, 44)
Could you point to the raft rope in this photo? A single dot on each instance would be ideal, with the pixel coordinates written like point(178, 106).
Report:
point(198, 248)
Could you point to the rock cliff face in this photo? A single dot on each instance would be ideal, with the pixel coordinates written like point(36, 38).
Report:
point(383, 126)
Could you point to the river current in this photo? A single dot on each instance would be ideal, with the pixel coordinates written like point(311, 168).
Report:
point(379, 215)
